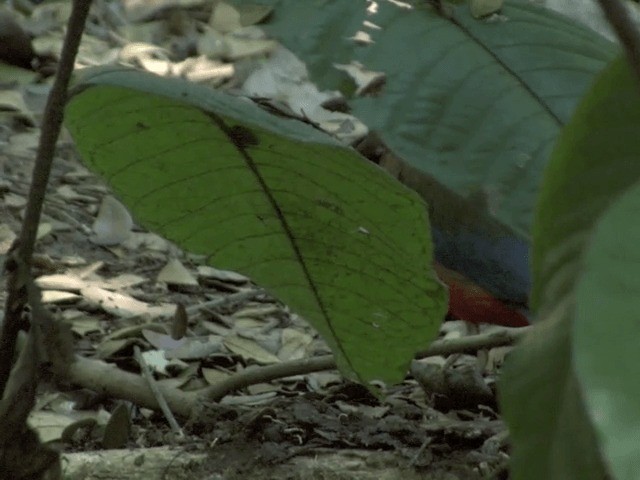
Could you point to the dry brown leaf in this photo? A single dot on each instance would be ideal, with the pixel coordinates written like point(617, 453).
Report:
point(174, 273)
point(294, 344)
point(225, 18)
point(194, 348)
point(113, 224)
point(56, 296)
point(122, 305)
point(213, 375)
point(7, 236)
point(249, 349)
point(223, 275)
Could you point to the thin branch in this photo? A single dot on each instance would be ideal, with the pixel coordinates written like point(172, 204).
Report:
point(109, 379)
point(327, 362)
point(162, 403)
point(53, 115)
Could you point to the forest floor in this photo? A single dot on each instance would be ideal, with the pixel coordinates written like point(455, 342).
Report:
point(124, 295)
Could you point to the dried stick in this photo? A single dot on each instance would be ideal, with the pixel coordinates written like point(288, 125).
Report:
point(153, 386)
point(52, 122)
point(327, 362)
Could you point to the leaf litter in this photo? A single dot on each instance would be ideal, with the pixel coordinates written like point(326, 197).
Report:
point(118, 287)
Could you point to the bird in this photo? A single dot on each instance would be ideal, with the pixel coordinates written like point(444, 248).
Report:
point(472, 303)
point(487, 275)
point(483, 261)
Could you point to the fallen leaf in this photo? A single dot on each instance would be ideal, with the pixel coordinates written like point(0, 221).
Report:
point(249, 350)
point(113, 223)
point(122, 305)
point(174, 273)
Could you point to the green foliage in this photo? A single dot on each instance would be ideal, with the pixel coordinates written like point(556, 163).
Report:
point(606, 331)
point(541, 401)
point(329, 233)
point(475, 104)
point(586, 270)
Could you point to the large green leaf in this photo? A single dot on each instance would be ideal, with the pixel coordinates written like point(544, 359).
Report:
point(477, 104)
point(541, 401)
point(585, 262)
point(330, 234)
point(607, 331)
point(595, 160)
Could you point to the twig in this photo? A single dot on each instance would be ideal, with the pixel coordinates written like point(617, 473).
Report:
point(627, 32)
point(53, 115)
point(162, 403)
point(50, 131)
point(327, 362)
point(218, 302)
point(106, 378)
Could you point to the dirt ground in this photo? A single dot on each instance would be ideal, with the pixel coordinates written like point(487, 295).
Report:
point(261, 426)
point(121, 297)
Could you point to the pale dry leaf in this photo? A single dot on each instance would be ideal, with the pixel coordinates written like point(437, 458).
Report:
point(261, 388)
point(50, 425)
point(252, 14)
point(148, 32)
point(122, 305)
point(281, 66)
point(146, 241)
point(113, 224)
point(13, 75)
point(245, 324)
point(134, 331)
point(85, 325)
point(294, 344)
point(212, 44)
point(258, 312)
point(7, 236)
point(12, 100)
point(362, 77)
point(249, 350)
point(203, 69)
point(141, 10)
point(320, 381)
point(162, 341)
point(49, 45)
point(156, 361)
point(216, 328)
point(108, 348)
point(174, 273)
point(56, 296)
point(49, 16)
point(87, 271)
point(206, 271)
point(133, 53)
point(162, 68)
point(362, 38)
point(214, 376)
point(125, 280)
point(44, 229)
point(239, 47)
point(68, 193)
point(225, 18)
point(194, 348)
point(249, 400)
point(22, 145)
point(62, 281)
